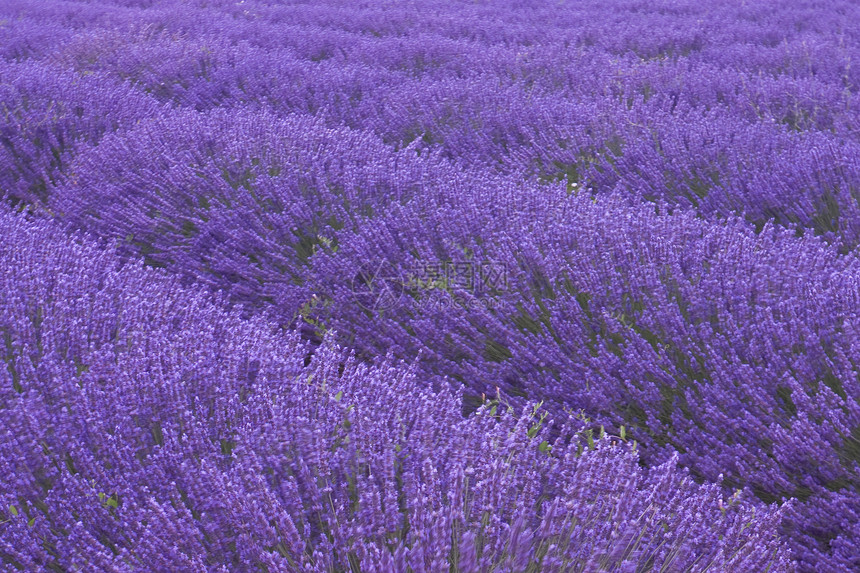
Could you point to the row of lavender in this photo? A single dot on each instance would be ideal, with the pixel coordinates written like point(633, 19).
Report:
point(408, 149)
point(144, 427)
point(722, 108)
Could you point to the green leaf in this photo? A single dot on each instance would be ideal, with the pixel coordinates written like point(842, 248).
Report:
point(338, 396)
point(112, 502)
point(623, 433)
point(13, 510)
point(545, 447)
point(32, 522)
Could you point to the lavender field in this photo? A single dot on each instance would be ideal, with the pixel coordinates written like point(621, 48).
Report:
point(451, 286)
